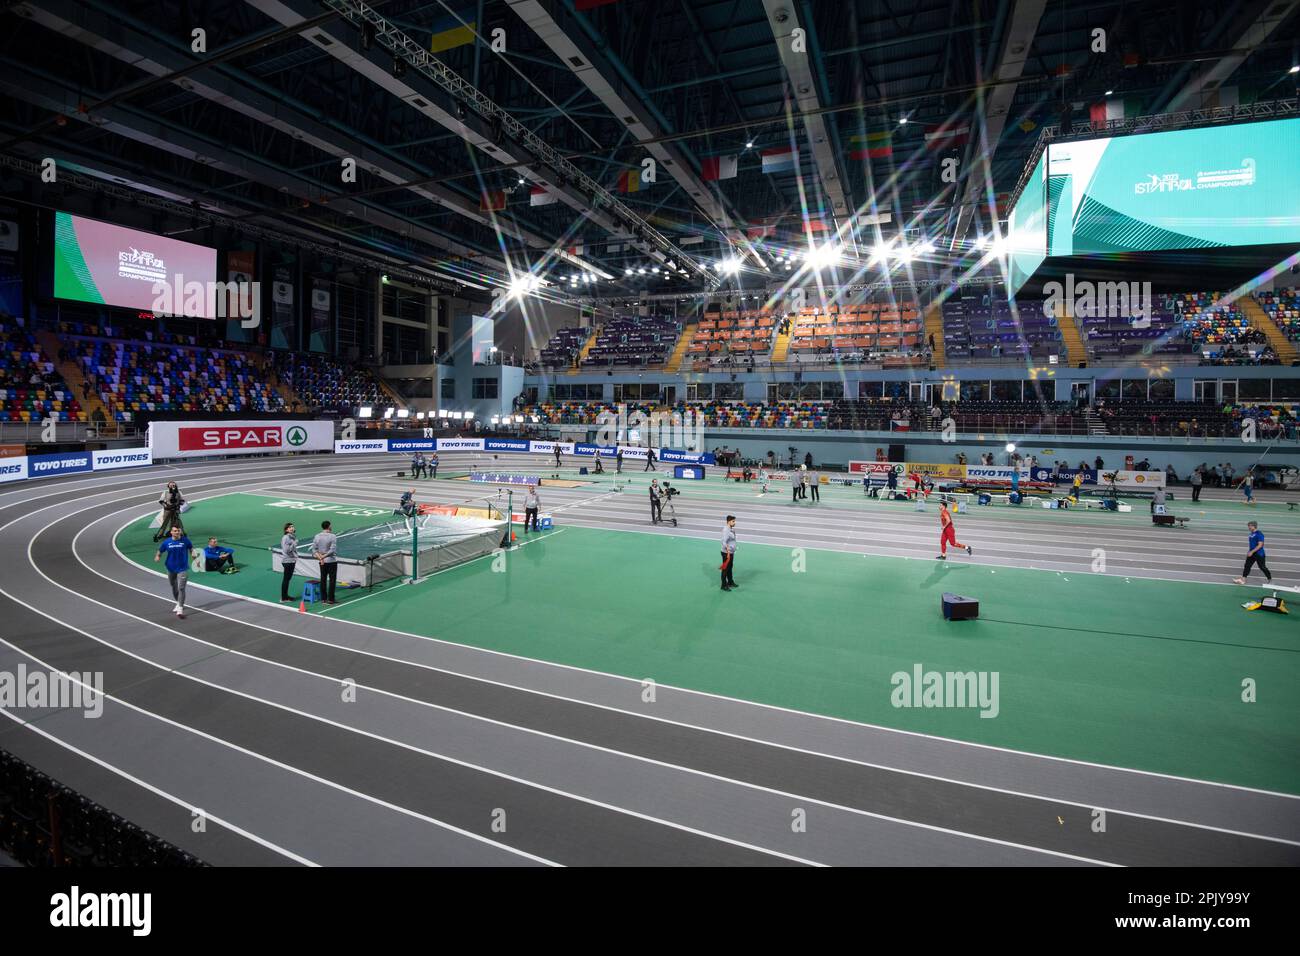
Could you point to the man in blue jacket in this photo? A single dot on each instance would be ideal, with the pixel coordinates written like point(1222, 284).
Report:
point(217, 558)
point(177, 548)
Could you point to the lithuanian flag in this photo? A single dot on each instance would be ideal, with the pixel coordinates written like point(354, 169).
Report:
point(871, 145)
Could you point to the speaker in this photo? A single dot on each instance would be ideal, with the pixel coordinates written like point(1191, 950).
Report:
point(1162, 519)
point(897, 453)
point(958, 608)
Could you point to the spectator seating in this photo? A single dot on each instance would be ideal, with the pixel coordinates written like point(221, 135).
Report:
point(1283, 307)
point(742, 334)
point(134, 376)
point(633, 342)
point(865, 329)
point(563, 348)
point(321, 382)
point(982, 327)
point(31, 389)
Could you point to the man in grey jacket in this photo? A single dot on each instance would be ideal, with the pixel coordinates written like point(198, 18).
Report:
point(531, 504)
point(729, 554)
point(325, 548)
point(288, 558)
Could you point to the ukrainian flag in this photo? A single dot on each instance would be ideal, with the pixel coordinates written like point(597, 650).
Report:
point(449, 33)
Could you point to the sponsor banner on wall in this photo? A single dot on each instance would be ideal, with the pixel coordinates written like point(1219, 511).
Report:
point(360, 447)
point(60, 463)
point(13, 451)
point(548, 447)
point(995, 473)
point(460, 444)
point(198, 439)
point(881, 468)
point(584, 448)
point(687, 457)
point(940, 470)
point(632, 451)
point(505, 444)
point(13, 469)
point(1067, 475)
point(1133, 480)
point(112, 459)
point(415, 444)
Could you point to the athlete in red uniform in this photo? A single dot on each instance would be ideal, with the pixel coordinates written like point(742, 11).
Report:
point(949, 534)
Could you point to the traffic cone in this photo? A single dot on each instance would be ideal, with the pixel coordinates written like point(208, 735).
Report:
point(302, 606)
point(513, 536)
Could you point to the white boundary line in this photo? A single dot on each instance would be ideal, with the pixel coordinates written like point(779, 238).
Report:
point(690, 691)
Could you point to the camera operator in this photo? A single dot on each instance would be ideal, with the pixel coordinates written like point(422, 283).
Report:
point(656, 502)
point(171, 500)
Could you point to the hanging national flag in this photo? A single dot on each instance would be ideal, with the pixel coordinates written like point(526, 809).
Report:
point(760, 232)
point(591, 4)
point(1027, 125)
point(1113, 109)
point(779, 160)
point(450, 32)
point(1063, 69)
point(576, 250)
point(871, 145)
point(541, 196)
point(815, 225)
point(713, 168)
point(947, 135)
point(492, 201)
point(629, 181)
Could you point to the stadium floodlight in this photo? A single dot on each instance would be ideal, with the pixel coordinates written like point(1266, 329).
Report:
point(926, 248)
point(1011, 446)
point(641, 271)
point(750, 144)
point(365, 411)
point(902, 121)
point(627, 272)
point(444, 413)
point(903, 253)
point(729, 266)
point(388, 413)
point(420, 415)
point(521, 286)
point(1108, 92)
point(982, 241)
point(1294, 69)
point(403, 413)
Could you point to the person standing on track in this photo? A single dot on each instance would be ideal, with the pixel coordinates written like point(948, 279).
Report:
point(557, 457)
point(325, 548)
point(650, 459)
point(288, 558)
point(171, 500)
point(1248, 488)
point(1256, 554)
point(1197, 480)
point(728, 566)
point(814, 482)
point(762, 476)
point(531, 504)
point(599, 468)
point(417, 464)
point(948, 534)
point(618, 461)
point(656, 502)
point(431, 465)
point(178, 549)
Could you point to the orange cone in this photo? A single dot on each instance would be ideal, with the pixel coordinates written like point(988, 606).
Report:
point(302, 606)
point(513, 536)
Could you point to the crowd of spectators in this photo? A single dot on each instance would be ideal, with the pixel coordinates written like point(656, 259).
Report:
point(31, 388)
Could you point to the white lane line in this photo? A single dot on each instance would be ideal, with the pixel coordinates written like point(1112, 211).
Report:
point(792, 748)
point(365, 733)
point(146, 785)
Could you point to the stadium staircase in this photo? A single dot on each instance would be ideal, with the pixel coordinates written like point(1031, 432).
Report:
point(683, 343)
point(1095, 425)
point(586, 350)
point(74, 376)
point(1075, 350)
point(781, 349)
point(1284, 347)
point(934, 327)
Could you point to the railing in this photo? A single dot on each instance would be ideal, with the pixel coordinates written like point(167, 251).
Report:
point(34, 433)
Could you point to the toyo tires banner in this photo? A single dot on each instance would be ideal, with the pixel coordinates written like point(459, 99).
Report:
point(202, 439)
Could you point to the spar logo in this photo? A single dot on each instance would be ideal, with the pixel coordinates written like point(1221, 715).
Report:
point(297, 436)
point(221, 439)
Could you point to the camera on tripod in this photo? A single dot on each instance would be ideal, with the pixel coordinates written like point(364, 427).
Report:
point(670, 491)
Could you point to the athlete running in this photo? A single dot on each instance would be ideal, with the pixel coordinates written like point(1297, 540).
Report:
point(948, 535)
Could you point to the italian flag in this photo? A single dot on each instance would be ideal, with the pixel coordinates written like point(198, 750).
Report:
point(1112, 109)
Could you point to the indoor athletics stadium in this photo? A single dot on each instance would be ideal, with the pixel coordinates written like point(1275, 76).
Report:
point(632, 433)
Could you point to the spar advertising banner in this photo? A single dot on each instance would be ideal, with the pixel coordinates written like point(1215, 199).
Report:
point(361, 447)
point(115, 458)
point(931, 470)
point(881, 468)
point(200, 439)
point(61, 463)
point(13, 469)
